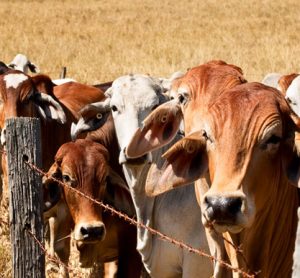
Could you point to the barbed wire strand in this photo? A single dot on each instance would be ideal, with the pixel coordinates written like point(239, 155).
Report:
point(141, 225)
point(51, 258)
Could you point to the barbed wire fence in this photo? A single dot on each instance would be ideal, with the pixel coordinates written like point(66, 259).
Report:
point(243, 272)
point(134, 222)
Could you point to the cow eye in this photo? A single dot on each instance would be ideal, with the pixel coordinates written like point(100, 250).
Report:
point(274, 140)
point(114, 108)
point(66, 178)
point(181, 99)
point(99, 116)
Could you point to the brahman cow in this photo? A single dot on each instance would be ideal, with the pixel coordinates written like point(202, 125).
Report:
point(175, 213)
point(99, 236)
point(197, 88)
point(246, 141)
point(21, 98)
point(22, 63)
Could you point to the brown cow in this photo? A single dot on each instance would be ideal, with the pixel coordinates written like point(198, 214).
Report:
point(83, 165)
point(193, 94)
point(197, 88)
point(21, 98)
point(247, 142)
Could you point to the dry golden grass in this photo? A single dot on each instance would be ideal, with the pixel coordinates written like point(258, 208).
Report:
point(101, 40)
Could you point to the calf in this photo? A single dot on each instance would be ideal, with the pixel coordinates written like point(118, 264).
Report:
point(99, 236)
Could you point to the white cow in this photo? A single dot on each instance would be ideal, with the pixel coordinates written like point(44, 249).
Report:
point(22, 63)
point(175, 213)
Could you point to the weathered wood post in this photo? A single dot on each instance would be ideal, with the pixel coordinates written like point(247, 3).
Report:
point(25, 197)
point(296, 266)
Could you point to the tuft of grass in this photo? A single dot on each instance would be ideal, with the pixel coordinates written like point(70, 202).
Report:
point(5, 260)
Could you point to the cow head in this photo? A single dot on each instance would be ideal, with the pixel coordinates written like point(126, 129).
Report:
point(20, 98)
point(83, 165)
point(249, 147)
point(22, 63)
point(192, 94)
point(133, 97)
point(92, 117)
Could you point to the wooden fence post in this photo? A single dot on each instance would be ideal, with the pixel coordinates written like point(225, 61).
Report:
point(296, 266)
point(23, 141)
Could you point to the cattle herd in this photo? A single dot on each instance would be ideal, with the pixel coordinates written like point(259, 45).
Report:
point(204, 157)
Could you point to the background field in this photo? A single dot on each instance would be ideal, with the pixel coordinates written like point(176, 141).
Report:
point(101, 40)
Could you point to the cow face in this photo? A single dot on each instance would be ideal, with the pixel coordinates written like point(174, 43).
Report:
point(92, 117)
point(20, 98)
point(17, 90)
point(133, 97)
point(247, 144)
point(83, 166)
point(22, 63)
point(192, 95)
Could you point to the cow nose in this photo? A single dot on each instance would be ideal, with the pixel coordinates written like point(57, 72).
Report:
point(223, 209)
point(92, 233)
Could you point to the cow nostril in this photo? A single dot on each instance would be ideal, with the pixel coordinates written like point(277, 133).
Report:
point(234, 205)
point(97, 232)
point(207, 201)
point(84, 231)
point(92, 232)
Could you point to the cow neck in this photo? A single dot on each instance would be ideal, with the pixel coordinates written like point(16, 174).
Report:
point(107, 137)
point(268, 245)
point(144, 205)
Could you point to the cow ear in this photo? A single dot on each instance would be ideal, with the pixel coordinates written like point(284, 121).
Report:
point(33, 68)
point(185, 162)
point(51, 189)
point(159, 128)
point(117, 193)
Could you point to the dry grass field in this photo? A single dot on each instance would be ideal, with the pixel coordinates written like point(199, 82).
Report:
point(101, 40)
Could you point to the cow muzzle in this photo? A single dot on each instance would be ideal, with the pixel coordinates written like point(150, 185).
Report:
point(89, 232)
point(224, 213)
